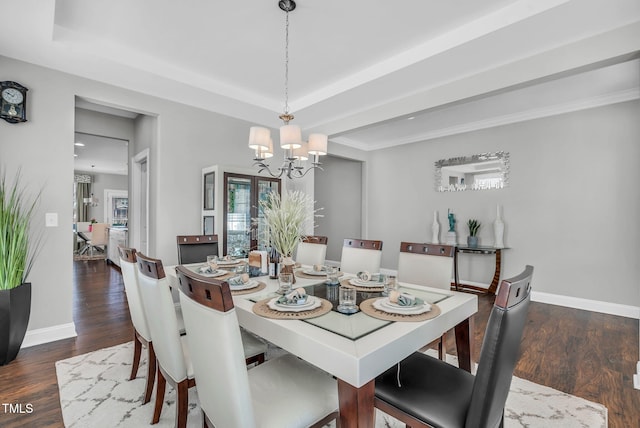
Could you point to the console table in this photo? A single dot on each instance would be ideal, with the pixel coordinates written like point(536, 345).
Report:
point(480, 250)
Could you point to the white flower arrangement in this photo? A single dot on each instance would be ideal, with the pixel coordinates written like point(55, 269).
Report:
point(285, 219)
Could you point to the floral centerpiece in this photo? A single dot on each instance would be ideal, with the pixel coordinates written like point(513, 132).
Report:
point(285, 220)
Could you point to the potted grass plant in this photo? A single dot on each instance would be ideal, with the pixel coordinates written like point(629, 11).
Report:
point(285, 220)
point(17, 253)
point(474, 227)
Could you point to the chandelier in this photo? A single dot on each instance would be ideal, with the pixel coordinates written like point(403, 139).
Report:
point(296, 151)
point(91, 201)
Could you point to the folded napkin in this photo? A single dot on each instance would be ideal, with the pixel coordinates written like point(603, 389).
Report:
point(206, 269)
point(404, 299)
point(369, 277)
point(319, 268)
point(296, 297)
point(239, 279)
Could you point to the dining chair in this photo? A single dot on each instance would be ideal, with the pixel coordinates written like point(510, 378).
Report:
point(312, 250)
point(98, 240)
point(173, 360)
point(422, 391)
point(196, 248)
point(141, 332)
point(430, 265)
point(361, 255)
point(284, 392)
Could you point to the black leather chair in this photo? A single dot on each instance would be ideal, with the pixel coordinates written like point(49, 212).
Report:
point(422, 391)
point(196, 248)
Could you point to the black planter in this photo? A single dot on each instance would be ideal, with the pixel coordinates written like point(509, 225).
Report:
point(15, 309)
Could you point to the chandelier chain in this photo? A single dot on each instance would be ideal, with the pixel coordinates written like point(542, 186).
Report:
point(286, 64)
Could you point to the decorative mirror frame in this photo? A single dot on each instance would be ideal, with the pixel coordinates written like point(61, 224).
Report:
point(502, 157)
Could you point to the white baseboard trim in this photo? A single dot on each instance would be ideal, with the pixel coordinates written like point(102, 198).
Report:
point(39, 336)
point(586, 304)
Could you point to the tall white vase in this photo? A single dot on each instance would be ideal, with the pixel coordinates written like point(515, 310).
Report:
point(435, 229)
point(498, 230)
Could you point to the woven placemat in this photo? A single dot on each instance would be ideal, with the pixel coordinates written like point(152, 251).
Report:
point(261, 308)
point(259, 287)
point(346, 283)
point(367, 307)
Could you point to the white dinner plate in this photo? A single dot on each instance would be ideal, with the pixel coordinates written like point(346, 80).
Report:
point(311, 303)
point(249, 284)
point(228, 262)
point(385, 305)
point(360, 283)
point(213, 274)
point(315, 272)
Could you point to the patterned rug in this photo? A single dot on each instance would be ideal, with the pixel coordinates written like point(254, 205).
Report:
point(95, 392)
point(96, 256)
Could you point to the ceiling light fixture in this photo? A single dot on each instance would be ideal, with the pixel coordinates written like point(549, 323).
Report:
point(296, 151)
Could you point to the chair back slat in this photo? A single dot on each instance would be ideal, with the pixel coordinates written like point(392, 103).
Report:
point(500, 351)
point(364, 244)
point(196, 248)
point(212, 293)
point(429, 249)
point(315, 239)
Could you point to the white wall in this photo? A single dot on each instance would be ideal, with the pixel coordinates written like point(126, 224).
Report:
point(571, 209)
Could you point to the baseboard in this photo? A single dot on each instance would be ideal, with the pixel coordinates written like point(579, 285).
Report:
point(39, 336)
point(586, 304)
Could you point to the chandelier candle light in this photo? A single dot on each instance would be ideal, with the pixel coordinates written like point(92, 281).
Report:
point(296, 150)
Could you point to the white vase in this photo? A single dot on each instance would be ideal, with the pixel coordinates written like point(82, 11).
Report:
point(498, 230)
point(435, 229)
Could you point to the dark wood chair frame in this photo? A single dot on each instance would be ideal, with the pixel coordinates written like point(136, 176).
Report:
point(315, 239)
point(367, 244)
point(184, 241)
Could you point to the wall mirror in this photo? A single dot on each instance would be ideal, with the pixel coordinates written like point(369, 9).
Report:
point(484, 171)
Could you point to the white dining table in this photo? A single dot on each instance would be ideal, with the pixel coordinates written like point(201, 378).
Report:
point(356, 348)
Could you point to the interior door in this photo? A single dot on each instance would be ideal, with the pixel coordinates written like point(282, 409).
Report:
point(241, 202)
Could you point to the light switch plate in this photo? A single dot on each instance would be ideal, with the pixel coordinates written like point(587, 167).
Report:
point(51, 219)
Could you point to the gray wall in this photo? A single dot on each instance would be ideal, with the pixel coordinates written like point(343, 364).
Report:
point(182, 141)
point(570, 210)
point(335, 188)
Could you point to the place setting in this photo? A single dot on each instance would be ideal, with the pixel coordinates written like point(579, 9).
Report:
point(244, 284)
point(399, 306)
point(365, 281)
point(318, 271)
point(291, 304)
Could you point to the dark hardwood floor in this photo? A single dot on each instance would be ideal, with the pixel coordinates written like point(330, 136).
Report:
point(587, 354)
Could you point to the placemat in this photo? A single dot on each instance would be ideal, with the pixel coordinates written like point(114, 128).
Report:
point(261, 308)
point(259, 287)
point(367, 307)
point(346, 283)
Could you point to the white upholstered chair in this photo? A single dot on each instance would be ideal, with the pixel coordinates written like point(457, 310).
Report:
point(174, 364)
point(284, 392)
point(312, 250)
point(430, 265)
point(361, 255)
point(141, 333)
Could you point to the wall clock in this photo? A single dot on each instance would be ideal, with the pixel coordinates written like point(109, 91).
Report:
point(13, 102)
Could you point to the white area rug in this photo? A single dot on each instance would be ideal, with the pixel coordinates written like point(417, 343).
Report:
point(95, 393)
